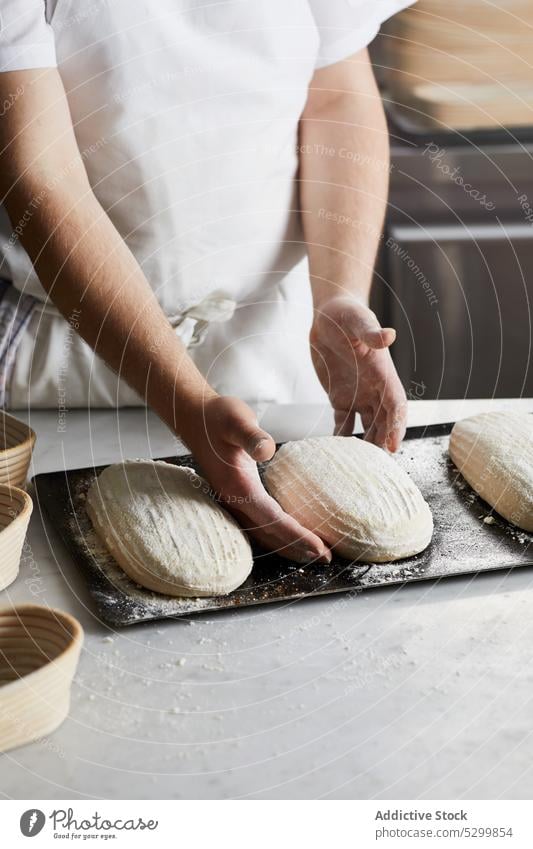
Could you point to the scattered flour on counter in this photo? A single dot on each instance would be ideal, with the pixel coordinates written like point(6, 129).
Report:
point(127, 597)
point(462, 543)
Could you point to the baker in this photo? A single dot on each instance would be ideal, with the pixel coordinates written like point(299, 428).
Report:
point(175, 199)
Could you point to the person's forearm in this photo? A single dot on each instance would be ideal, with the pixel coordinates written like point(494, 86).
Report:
point(82, 261)
point(91, 275)
point(344, 170)
point(93, 278)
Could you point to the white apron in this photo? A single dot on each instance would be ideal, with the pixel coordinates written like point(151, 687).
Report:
point(186, 115)
point(259, 354)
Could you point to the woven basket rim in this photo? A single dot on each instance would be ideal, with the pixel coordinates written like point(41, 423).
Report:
point(29, 439)
point(24, 514)
point(55, 617)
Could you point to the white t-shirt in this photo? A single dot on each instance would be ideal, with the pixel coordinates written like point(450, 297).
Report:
point(186, 114)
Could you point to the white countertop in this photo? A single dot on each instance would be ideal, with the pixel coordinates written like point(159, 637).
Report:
point(421, 691)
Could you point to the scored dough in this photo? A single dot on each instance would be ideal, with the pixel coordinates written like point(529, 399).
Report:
point(494, 453)
point(353, 495)
point(166, 532)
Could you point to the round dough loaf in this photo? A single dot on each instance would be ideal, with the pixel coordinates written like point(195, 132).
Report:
point(494, 453)
point(353, 495)
point(166, 532)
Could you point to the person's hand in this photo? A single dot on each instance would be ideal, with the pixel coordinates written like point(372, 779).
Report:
point(226, 440)
point(351, 358)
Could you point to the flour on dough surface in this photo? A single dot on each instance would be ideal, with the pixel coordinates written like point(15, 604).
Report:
point(352, 494)
point(166, 532)
point(494, 453)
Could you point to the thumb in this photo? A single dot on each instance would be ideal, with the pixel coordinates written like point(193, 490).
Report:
point(380, 337)
point(243, 431)
point(367, 329)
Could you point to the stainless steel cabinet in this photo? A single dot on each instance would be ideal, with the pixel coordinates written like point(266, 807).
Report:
point(456, 269)
point(460, 297)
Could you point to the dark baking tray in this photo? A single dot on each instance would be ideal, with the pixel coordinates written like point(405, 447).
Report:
point(462, 543)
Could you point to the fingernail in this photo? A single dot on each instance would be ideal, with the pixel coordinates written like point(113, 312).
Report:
point(315, 557)
point(308, 556)
point(258, 446)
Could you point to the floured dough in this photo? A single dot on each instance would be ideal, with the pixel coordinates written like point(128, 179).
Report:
point(494, 453)
point(166, 532)
point(353, 495)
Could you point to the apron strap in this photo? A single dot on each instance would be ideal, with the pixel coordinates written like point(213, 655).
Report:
point(193, 323)
point(16, 310)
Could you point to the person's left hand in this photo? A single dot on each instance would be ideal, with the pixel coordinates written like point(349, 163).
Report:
point(351, 358)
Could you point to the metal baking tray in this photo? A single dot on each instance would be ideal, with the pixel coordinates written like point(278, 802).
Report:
point(463, 543)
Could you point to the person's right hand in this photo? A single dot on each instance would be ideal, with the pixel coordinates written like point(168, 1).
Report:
point(227, 442)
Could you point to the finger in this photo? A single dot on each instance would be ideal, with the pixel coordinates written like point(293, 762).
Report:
point(394, 403)
point(308, 548)
point(369, 428)
point(265, 520)
point(344, 422)
point(366, 329)
point(370, 434)
point(244, 495)
point(381, 428)
point(382, 338)
point(397, 425)
point(261, 446)
point(242, 431)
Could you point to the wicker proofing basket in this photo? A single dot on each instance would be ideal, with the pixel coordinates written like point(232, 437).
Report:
point(16, 445)
point(15, 511)
point(39, 651)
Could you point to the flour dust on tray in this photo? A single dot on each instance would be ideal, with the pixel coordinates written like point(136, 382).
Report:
point(352, 494)
point(166, 532)
point(494, 453)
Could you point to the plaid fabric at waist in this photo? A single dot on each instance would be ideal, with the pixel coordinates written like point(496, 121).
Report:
point(15, 312)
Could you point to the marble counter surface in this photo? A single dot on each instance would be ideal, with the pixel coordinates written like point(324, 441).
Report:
point(421, 691)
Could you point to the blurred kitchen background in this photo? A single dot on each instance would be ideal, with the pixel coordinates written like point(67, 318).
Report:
point(455, 275)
